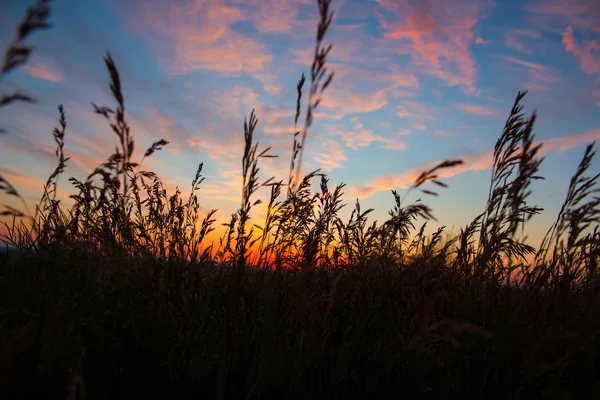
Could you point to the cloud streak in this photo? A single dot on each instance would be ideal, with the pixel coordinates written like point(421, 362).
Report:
point(471, 163)
point(43, 72)
point(475, 109)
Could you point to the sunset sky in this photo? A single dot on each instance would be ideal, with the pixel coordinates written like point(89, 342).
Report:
point(416, 82)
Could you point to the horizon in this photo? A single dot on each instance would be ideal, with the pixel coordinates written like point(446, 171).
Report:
point(414, 85)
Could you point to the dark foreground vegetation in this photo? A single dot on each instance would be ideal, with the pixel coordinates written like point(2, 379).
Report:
point(118, 296)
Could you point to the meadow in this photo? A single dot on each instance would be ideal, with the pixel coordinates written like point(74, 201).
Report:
point(121, 296)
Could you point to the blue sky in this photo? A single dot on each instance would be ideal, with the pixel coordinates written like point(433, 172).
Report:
point(417, 82)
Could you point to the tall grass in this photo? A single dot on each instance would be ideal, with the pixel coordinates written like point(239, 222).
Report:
point(119, 295)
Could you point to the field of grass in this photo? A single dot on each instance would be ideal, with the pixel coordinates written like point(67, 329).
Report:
point(119, 296)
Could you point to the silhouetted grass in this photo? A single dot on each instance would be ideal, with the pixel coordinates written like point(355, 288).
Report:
point(119, 296)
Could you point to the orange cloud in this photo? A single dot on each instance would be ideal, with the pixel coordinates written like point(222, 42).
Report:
point(35, 187)
point(43, 72)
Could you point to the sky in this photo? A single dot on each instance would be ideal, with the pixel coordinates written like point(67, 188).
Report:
point(416, 83)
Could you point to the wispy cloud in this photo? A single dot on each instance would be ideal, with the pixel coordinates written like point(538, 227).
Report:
point(536, 76)
point(471, 163)
point(362, 137)
point(519, 39)
point(436, 35)
point(199, 36)
point(346, 103)
point(44, 72)
point(475, 109)
point(524, 63)
point(583, 14)
point(330, 156)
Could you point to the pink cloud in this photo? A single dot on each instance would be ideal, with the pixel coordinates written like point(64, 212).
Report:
point(163, 122)
point(471, 163)
point(44, 72)
point(475, 109)
point(480, 40)
point(362, 137)
point(197, 35)
point(564, 143)
point(35, 185)
point(437, 35)
point(345, 102)
point(331, 155)
point(596, 94)
point(217, 149)
point(279, 130)
point(415, 110)
point(527, 64)
point(273, 16)
point(589, 60)
point(348, 95)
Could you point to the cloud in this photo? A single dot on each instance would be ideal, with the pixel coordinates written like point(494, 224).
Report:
point(358, 89)
point(480, 40)
point(163, 122)
point(567, 142)
point(216, 149)
point(527, 64)
point(44, 72)
point(345, 102)
point(415, 110)
point(514, 39)
point(331, 155)
point(536, 76)
point(596, 94)
point(471, 163)
point(274, 16)
point(583, 14)
point(588, 53)
point(361, 137)
point(437, 35)
point(33, 188)
point(199, 35)
point(475, 109)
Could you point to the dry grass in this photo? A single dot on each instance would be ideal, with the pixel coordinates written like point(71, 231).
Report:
point(119, 296)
